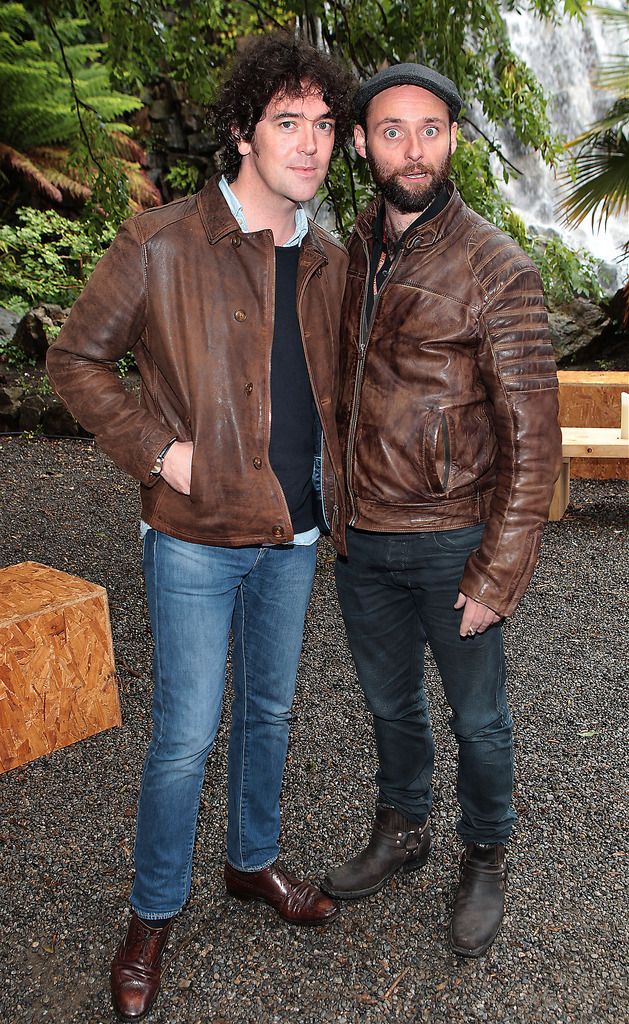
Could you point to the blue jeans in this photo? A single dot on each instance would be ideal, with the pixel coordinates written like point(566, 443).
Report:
point(397, 593)
point(196, 593)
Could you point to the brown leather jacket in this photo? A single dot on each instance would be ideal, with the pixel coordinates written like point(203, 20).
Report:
point(448, 408)
point(194, 298)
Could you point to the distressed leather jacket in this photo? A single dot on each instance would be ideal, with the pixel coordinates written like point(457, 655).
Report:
point(193, 297)
point(448, 408)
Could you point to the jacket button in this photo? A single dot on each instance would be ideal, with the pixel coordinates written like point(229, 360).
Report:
point(319, 271)
point(257, 462)
point(240, 316)
point(248, 389)
point(278, 531)
point(236, 241)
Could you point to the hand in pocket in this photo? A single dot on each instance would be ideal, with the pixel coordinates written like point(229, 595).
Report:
point(177, 468)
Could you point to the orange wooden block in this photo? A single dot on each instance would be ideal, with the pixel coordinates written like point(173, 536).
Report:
point(57, 673)
point(591, 398)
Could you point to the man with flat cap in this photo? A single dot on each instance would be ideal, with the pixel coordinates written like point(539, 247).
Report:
point(448, 421)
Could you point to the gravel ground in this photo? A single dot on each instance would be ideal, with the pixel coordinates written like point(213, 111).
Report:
point(67, 822)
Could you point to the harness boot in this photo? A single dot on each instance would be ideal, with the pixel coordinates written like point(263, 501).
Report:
point(396, 844)
point(480, 898)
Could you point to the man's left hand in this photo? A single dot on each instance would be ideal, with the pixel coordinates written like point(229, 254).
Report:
point(477, 617)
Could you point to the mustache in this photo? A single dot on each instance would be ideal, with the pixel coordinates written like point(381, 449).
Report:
point(415, 169)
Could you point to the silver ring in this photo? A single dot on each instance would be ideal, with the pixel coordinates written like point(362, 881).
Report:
point(471, 632)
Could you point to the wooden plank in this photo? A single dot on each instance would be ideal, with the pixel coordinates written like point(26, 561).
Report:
point(591, 398)
point(57, 671)
point(561, 494)
point(594, 378)
point(601, 442)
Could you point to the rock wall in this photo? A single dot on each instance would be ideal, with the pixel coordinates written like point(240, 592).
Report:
point(175, 132)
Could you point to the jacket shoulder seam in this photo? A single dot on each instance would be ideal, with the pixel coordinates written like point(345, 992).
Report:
point(134, 225)
point(177, 218)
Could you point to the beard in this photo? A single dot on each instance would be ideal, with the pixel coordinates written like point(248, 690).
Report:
point(410, 197)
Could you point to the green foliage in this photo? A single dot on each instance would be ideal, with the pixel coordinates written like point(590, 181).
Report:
point(595, 182)
point(187, 41)
point(183, 178)
point(467, 41)
point(46, 258)
point(565, 272)
point(192, 41)
point(34, 384)
point(14, 356)
point(476, 181)
point(126, 364)
point(348, 188)
point(60, 119)
point(38, 107)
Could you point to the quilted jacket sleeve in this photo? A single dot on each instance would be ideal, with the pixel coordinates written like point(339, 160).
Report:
point(517, 366)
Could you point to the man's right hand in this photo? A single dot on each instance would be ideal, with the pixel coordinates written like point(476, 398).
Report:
point(177, 467)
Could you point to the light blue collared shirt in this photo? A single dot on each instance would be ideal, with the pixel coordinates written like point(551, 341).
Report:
point(235, 206)
point(301, 230)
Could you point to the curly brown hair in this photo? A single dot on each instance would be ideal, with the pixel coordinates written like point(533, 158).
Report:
point(276, 65)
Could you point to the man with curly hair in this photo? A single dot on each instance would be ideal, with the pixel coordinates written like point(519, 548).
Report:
point(230, 302)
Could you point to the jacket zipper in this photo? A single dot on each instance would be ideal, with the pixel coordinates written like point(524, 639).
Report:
point(360, 369)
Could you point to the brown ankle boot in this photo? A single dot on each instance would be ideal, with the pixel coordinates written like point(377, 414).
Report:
point(135, 970)
point(396, 844)
point(480, 898)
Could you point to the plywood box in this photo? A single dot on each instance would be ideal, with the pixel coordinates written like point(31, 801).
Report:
point(589, 398)
point(57, 673)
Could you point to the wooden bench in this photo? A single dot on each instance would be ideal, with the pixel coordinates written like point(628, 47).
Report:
point(586, 442)
point(591, 398)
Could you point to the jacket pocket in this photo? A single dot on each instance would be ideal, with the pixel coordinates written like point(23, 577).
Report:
point(459, 447)
point(194, 474)
point(436, 449)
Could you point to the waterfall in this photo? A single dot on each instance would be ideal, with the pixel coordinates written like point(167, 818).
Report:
point(565, 58)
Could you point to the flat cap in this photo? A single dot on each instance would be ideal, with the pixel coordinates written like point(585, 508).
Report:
point(409, 74)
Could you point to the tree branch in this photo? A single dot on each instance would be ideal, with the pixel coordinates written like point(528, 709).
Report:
point(262, 12)
point(494, 148)
point(78, 102)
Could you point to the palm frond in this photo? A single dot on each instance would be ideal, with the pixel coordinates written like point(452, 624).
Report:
point(600, 183)
point(614, 17)
point(128, 149)
point(25, 169)
point(59, 160)
point(614, 74)
point(615, 120)
point(141, 188)
point(74, 188)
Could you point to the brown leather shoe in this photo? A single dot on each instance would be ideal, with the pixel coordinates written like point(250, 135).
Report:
point(295, 901)
point(396, 844)
point(135, 970)
point(480, 899)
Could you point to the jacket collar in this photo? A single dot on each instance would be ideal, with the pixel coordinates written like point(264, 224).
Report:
point(424, 235)
point(216, 217)
point(218, 220)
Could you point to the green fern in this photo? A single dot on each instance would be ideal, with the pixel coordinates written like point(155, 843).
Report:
point(38, 113)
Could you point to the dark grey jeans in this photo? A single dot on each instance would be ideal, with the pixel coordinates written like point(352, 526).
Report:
point(397, 593)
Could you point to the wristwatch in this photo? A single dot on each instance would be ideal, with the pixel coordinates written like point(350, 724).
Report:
point(159, 461)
